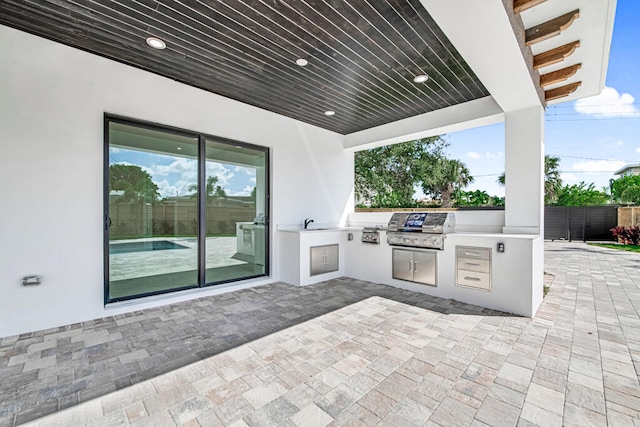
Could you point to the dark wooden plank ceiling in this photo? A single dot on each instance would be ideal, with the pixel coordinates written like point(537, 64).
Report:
point(362, 54)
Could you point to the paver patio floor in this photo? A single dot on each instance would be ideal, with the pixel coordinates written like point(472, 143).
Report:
point(346, 352)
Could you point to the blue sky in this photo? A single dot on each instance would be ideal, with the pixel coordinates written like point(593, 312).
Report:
point(593, 137)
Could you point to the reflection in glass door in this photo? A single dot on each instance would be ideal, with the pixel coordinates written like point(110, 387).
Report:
point(182, 210)
point(152, 207)
point(236, 226)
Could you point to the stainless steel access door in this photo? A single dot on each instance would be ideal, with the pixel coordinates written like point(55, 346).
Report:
point(324, 259)
point(317, 260)
point(402, 264)
point(414, 266)
point(424, 267)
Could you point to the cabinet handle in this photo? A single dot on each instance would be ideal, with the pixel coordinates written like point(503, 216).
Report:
point(410, 266)
point(475, 264)
point(472, 254)
point(473, 279)
point(415, 266)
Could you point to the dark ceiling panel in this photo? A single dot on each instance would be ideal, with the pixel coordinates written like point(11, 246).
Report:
point(362, 55)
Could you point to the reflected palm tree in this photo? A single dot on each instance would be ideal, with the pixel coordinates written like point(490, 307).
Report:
point(212, 189)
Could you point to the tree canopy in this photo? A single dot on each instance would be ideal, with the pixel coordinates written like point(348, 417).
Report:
point(626, 189)
point(581, 195)
point(386, 176)
point(135, 182)
point(442, 178)
point(477, 198)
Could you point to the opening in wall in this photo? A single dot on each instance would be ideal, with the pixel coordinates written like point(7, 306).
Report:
point(182, 210)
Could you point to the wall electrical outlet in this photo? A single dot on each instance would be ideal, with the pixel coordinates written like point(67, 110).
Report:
point(500, 247)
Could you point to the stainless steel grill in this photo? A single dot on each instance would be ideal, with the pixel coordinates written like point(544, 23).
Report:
point(420, 229)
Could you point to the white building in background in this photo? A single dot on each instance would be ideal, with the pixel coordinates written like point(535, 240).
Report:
point(630, 169)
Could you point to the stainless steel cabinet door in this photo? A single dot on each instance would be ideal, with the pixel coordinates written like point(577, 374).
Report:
point(424, 267)
point(332, 258)
point(402, 264)
point(324, 259)
point(317, 260)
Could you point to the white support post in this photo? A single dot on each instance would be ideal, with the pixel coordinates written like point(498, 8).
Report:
point(524, 171)
point(524, 192)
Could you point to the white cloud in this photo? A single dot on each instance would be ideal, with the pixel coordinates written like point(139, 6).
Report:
point(180, 166)
point(568, 177)
point(180, 188)
point(224, 174)
point(619, 143)
point(609, 103)
point(474, 155)
point(487, 155)
point(638, 150)
point(598, 165)
point(246, 191)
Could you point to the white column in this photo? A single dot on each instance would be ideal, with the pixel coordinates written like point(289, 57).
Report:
point(524, 171)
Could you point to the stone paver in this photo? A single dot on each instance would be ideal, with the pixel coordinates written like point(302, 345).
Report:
point(345, 352)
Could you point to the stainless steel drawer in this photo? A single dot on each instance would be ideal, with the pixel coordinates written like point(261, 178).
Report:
point(473, 253)
point(479, 265)
point(473, 279)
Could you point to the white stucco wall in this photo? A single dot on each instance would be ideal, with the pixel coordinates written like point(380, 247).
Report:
point(52, 101)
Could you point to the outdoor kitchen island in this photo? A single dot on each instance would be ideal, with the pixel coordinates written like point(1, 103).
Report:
point(469, 268)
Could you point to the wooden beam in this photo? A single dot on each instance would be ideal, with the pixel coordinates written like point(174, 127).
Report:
point(561, 92)
point(559, 75)
point(550, 28)
point(554, 56)
point(520, 6)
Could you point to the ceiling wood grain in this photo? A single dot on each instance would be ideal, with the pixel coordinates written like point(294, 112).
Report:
point(362, 55)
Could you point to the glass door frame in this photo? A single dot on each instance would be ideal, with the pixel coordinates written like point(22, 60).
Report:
point(201, 201)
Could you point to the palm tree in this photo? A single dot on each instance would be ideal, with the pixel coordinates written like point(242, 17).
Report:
point(552, 180)
point(212, 190)
point(444, 177)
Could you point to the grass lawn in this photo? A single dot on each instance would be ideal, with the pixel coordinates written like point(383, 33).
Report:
point(630, 248)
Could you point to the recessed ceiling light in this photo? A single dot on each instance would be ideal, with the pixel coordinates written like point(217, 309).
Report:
point(329, 113)
point(421, 78)
point(179, 148)
point(156, 43)
point(302, 62)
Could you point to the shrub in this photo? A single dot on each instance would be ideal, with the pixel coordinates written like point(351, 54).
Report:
point(629, 235)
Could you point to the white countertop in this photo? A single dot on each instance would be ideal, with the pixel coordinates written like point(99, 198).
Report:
point(319, 229)
point(502, 235)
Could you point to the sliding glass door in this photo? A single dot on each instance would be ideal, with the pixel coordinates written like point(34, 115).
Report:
point(182, 210)
point(236, 226)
